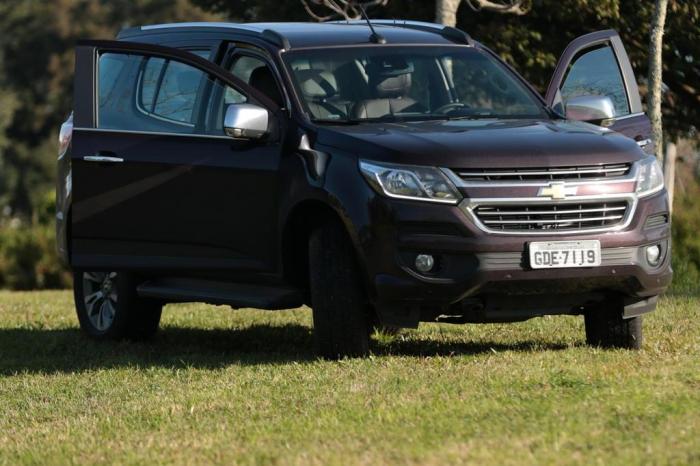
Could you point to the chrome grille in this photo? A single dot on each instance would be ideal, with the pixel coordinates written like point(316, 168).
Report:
point(586, 172)
point(552, 217)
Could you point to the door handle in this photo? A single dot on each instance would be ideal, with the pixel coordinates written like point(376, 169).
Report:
point(104, 157)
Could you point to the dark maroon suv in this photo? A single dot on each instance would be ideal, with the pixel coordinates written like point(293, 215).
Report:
point(382, 177)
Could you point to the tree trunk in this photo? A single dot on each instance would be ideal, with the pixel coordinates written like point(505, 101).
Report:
point(655, 74)
point(446, 12)
point(670, 172)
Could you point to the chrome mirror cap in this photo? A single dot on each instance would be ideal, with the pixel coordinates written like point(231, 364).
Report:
point(590, 108)
point(245, 121)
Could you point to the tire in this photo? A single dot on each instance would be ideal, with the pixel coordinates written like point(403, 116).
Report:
point(610, 330)
point(338, 297)
point(108, 307)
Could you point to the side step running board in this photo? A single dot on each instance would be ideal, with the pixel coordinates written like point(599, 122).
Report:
point(233, 294)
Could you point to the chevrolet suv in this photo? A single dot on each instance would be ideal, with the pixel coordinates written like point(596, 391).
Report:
point(383, 174)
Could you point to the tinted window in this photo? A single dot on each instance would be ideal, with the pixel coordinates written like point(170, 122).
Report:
point(152, 73)
point(242, 69)
point(177, 92)
point(154, 94)
point(596, 72)
point(111, 66)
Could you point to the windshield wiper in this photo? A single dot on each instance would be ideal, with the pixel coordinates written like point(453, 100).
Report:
point(332, 121)
point(473, 117)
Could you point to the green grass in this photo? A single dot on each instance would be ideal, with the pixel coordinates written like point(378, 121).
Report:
point(243, 387)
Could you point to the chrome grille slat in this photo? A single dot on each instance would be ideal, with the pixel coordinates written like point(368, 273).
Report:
point(587, 172)
point(557, 212)
point(569, 220)
point(544, 217)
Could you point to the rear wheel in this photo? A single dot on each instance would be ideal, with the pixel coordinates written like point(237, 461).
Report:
point(338, 297)
point(607, 329)
point(109, 308)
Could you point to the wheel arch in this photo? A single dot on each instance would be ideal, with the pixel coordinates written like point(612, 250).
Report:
point(301, 220)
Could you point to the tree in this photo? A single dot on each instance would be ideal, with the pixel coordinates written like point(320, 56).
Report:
point(446, 10)
point(655, 73)
point(656, 40)
point(339, 9)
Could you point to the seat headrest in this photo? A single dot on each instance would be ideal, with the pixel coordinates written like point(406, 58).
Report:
point(262, 79)
point(390, 76)
point(392, 86)
point(317, 83)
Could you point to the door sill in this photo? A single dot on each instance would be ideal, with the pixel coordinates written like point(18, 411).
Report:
point(238, 295)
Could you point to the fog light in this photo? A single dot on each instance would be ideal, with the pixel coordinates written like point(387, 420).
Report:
point(654, 254)
point(424, 262)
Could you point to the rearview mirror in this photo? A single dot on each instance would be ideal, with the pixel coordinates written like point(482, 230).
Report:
point(590, 108)
point(245, 121)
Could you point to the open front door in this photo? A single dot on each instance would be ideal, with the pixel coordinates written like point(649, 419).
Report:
point(157, 182)
point(596, 64)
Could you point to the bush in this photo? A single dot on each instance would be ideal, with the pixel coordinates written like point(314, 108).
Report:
point(686, 238)
point(28, 258)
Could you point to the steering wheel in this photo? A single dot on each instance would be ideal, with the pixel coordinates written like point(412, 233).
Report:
point(445, 109)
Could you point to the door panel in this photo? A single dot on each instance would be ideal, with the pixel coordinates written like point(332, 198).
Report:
point(157, 184)
point(597, 64)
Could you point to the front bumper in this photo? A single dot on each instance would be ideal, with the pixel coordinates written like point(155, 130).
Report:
point(479, 273)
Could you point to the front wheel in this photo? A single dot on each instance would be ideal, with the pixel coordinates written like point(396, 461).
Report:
point(109, 308)
point(338, 298)
point(610, 330)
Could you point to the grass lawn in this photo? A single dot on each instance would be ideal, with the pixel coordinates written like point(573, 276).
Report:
point(243, 387)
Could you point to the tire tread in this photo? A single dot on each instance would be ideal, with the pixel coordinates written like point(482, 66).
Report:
point(338, 297)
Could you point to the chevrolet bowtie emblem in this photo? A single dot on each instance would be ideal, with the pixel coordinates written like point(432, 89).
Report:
point(557, 191)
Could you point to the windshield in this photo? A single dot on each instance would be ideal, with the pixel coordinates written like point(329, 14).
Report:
point(389, 83)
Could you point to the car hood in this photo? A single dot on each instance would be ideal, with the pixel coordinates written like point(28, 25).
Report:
point(483, 143)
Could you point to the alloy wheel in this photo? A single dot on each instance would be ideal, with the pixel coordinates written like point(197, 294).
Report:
point(100, 297)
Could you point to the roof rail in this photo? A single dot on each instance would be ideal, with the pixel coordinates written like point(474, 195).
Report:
point(276, 38)
point(448, 32)
point(457, 35)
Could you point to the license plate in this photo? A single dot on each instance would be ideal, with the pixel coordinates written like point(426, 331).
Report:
point(562, 254)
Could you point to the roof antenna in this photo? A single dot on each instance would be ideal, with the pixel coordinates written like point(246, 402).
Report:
point(374, 37)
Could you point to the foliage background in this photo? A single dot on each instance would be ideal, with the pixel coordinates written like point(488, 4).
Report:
point(36, 67)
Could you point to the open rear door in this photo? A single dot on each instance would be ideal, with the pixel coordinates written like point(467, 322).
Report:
point(596, 64)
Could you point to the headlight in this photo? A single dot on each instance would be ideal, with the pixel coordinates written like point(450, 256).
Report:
point(410, 182)
point(650, 178)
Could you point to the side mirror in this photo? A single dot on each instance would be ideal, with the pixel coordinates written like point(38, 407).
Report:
point(593, 108)
point(245, 121)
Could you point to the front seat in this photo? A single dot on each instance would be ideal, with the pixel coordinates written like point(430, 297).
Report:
point(390, 90)
point(262, 79)
point(320, 91)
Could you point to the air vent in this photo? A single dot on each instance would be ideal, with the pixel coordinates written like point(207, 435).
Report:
point(656, 221)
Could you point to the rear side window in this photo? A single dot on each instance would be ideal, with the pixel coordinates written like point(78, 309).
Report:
point(142, 93)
